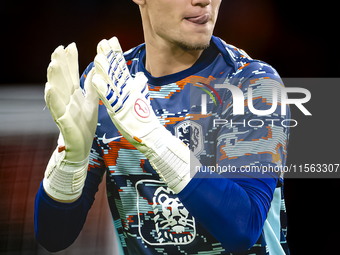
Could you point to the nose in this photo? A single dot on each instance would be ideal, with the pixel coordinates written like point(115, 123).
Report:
point(177, 218)
point(201, 3)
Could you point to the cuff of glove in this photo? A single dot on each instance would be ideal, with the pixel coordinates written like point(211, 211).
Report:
point(173, 161)
point(64, 180)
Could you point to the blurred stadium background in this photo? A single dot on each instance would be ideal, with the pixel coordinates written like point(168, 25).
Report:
point(297, 38)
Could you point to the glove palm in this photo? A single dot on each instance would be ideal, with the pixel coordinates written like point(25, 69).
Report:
point(75, 114)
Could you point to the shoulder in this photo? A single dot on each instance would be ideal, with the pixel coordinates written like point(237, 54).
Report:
point(134, 52)
point(242, 63)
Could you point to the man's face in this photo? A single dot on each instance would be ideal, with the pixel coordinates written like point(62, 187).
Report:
point(185, 23)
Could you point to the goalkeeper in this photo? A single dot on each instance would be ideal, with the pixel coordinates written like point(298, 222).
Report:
point(143, 118)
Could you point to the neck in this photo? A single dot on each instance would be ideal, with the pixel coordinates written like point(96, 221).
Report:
point(165, 59)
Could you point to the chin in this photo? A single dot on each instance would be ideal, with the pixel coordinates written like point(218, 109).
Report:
point(199, 44)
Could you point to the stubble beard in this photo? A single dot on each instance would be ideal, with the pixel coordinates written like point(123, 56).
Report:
point(192, 46)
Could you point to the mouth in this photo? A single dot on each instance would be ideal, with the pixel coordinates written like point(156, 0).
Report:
point(200, 20)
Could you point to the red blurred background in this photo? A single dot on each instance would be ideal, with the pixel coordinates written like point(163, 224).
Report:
point(298, 39)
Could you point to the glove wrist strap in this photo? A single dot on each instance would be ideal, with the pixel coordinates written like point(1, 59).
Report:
point(64, 180)
point(172, 160)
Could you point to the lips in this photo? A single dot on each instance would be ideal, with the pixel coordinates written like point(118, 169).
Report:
point(201, 19)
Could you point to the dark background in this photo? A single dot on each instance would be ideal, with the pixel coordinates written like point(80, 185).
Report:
point(299, 38)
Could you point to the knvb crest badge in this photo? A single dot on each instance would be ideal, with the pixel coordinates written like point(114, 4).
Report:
point(163, 219)
point(190, 133)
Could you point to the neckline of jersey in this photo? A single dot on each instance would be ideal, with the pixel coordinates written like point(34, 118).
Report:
point(208, 56)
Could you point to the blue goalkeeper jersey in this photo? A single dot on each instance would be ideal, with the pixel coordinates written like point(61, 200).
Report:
point(228, 197)
point(148, 216)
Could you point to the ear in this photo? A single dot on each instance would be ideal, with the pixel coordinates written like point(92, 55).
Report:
point(139, 2)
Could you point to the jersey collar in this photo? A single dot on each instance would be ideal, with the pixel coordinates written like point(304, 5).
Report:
point(207, 57)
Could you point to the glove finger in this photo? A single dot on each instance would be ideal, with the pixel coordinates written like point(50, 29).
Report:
point(59, 56)
point(103, 68)
point(112, 66)
point(142, 81)
point(59, 51)
point(116, 73)
point(119, 71)
point(105, 92)
point(71, 53)
point(114, 54)
point(115, 45)
point(106, 46)
point(56, 79)
point(103, 47)
point(123, 75)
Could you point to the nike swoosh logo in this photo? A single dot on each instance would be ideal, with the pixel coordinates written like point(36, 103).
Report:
point(110, 139)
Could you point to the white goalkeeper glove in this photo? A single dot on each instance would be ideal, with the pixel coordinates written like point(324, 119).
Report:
point(128, 103)
point(76, 116)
